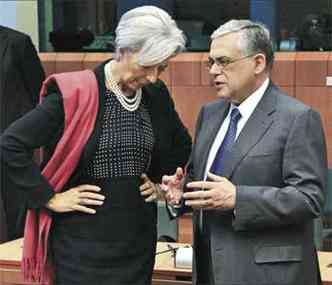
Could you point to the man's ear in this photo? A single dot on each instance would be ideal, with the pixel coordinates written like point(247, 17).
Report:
point(260, 63)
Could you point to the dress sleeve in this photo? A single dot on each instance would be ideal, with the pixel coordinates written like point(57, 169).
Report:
point(173, 140)
point(38, 128)
point(181, 141)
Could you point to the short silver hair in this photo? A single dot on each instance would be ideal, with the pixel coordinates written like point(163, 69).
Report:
point(254, 38)
point(151, 32)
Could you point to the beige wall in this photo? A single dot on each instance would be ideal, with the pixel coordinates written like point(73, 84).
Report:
point(27, 19)
point(21, 15)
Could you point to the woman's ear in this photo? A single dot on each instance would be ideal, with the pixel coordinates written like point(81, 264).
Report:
point(260, 63)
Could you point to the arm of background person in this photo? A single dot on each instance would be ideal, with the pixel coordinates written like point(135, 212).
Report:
point(32, 72)
point(17, 144)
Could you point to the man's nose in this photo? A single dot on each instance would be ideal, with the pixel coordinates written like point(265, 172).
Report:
point(215, 69)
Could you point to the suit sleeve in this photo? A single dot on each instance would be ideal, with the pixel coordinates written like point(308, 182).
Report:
point(31, 69)
point(17, 144)
point(304, 180)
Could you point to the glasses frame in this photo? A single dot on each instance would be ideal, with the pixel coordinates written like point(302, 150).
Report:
point(222, 65)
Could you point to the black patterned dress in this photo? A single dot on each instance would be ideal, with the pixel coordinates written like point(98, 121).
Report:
point(117, 244)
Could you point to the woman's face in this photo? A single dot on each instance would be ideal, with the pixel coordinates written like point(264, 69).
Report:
point(134, 76)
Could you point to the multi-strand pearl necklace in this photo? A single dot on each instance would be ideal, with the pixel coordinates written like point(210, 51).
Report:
point(130, 104)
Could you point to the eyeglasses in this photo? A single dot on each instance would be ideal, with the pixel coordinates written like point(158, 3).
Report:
point(223, 61)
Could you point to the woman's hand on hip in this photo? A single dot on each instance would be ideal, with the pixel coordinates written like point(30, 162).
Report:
point(149, 190)
point(77, 199)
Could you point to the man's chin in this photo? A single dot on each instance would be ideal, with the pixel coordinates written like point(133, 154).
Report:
point(223, 95)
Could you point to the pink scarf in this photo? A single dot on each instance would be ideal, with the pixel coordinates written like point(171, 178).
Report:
point(80, 101)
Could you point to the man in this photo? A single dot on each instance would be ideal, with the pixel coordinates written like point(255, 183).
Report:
point(21, 76)
point(257, 173)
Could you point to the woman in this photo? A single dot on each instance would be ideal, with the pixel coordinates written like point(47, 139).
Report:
point(104, 226)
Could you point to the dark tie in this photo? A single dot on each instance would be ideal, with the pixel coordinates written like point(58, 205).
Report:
point(217, 165)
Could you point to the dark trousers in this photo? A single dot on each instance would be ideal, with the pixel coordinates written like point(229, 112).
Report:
point(203, 257)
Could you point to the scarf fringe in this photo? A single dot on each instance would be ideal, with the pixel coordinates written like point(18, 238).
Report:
point(28, 266)
point(36, 271)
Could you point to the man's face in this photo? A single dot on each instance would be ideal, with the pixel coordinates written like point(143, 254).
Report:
point(233, 73)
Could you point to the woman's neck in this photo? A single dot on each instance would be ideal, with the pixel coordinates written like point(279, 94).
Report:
point(116, 68)
point(116, 72)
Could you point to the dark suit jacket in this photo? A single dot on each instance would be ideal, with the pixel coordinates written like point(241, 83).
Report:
point(279, 167)
point(44, 125)
point(21, 75)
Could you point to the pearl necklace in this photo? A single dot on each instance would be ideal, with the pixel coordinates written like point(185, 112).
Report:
point(130, 104)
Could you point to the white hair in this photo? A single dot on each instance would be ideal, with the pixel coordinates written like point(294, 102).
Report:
point(254, 37)
point(151, 32)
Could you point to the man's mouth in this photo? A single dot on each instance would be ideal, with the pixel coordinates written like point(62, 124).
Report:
point(219, 84)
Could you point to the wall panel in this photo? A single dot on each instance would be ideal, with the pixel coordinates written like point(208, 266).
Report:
point(66, 62)
point(188, 102)
point(311, 68)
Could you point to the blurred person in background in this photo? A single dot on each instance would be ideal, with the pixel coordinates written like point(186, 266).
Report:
point(21, 77)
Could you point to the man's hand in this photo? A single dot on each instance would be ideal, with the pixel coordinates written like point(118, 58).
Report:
point(77, 199)
point(219, 193)
point(149, 190)
point(172, 186)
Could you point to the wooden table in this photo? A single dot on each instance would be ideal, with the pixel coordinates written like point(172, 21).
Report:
point(325, 265)
point(164, 272)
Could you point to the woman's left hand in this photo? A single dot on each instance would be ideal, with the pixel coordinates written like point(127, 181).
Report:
point(149, 190)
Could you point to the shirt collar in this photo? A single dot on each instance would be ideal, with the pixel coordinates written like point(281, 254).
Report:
point(249, 104)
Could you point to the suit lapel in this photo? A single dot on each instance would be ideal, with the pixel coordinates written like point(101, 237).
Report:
point(208, 132)
point(257, 125)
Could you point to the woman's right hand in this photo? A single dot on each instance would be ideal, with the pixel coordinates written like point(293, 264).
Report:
point(77, 199)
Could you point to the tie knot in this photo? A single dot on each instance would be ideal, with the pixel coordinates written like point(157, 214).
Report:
point(235, 114)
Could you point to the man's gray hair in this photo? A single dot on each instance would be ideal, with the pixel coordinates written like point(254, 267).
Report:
point(254, 38)
point(151, 32)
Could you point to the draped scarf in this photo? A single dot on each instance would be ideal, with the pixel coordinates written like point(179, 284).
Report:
point(80, 101)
